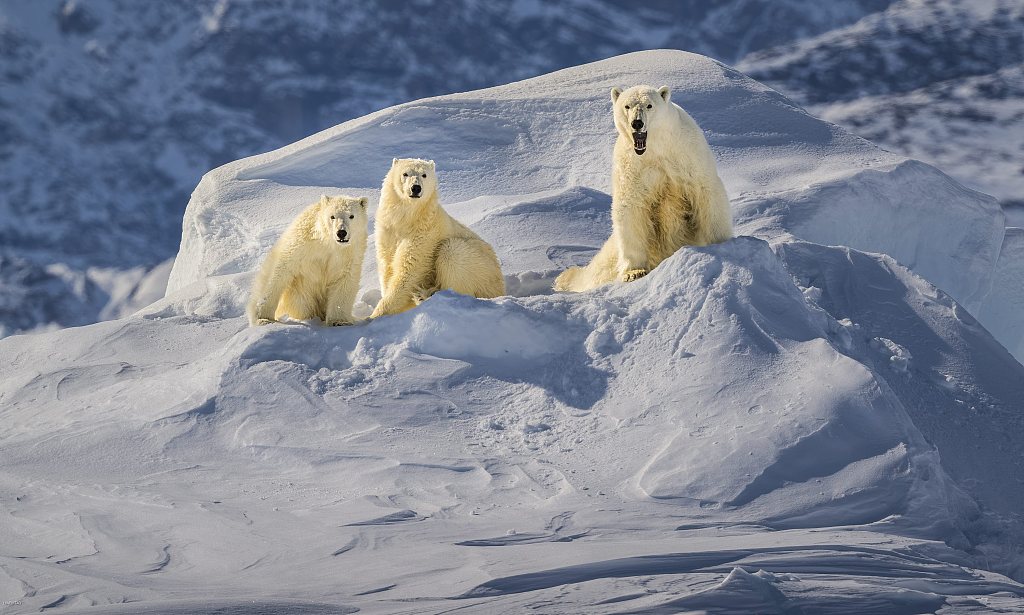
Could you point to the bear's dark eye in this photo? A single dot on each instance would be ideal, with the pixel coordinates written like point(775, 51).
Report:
point(351, 217)
point(405, 175)
point(648, 106)
point(627, 107)
point(424, 176)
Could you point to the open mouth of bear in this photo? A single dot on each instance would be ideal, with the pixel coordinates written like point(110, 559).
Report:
point(640, 142)
point(343, 241)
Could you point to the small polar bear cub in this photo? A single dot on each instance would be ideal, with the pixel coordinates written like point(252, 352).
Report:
point(666, 192)
point(421, 249)
point(313, 270)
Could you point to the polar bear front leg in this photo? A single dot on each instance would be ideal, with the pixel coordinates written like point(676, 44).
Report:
point(405, 279)
point(340, 298)
point(398, 299)
point(633, 230)
point(270, 284)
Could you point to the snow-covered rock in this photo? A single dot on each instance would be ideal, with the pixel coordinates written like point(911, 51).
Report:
point(729, 432)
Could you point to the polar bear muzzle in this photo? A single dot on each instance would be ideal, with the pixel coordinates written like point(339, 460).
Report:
point(640, 142)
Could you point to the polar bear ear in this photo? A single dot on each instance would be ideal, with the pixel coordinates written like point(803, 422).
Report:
point(432, 165)
point(363, 202)
point(323, 199)
point(664, 92)
point(394, 161)
point(615, 93)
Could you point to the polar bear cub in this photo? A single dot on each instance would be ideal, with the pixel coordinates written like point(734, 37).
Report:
point(666, 192)
point(421, 249)
point(313, 270)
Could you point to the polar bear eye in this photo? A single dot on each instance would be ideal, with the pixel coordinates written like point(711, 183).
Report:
point(424, 176)
point(405, 175)
point(332, 217)
point(351, 217)
point(627, 107)
point(648, 106)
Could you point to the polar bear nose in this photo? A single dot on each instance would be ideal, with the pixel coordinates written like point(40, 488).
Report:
point(637, 124)
point(342, 233)
point(416, 188)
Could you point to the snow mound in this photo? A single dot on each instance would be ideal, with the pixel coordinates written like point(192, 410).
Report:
point(761, 425)
point(710, 394)
point(532, 151)
point(788, 173)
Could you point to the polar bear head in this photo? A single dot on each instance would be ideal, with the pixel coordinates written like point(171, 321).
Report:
point(413, 179)
point(341, 219)
point(641, 111)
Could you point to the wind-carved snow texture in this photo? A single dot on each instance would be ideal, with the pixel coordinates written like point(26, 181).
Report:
point(796, 420)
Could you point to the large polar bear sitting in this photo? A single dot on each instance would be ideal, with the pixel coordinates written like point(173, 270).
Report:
point(421, 249)
point(665, 191)
point(313, 270)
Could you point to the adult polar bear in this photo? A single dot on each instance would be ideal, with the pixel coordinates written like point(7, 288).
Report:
point(314, 267)
point(421, 249)
point(666, 192)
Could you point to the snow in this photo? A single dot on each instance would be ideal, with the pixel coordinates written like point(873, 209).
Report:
point(1004, 306)
point(804, 418)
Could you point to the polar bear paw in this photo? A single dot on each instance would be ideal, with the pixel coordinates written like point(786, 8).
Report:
point(422, 294)
point(633, 274)
point(263, 321)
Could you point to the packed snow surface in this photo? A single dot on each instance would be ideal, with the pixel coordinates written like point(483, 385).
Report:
point(806, 418)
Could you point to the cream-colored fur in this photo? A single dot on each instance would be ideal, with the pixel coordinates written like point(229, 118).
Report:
point(667, 196)
point(421, 249)
point(313, 270)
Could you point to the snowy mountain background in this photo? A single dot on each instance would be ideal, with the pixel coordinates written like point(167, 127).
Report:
point(111, 110)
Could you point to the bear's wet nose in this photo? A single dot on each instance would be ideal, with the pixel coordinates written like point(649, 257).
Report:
point(342, 234)
point(416, 189)
point(637, 124)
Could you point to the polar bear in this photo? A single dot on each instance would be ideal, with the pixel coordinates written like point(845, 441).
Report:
point(313, 270)
point(666, 192)
point(421, 249)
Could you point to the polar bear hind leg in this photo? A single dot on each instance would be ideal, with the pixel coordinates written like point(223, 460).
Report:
point(470, 267)
point(602, 269)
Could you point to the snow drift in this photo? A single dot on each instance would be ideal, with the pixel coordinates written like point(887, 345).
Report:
point(804, 418)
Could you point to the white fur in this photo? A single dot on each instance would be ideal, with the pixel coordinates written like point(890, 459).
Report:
point(669, 196)
point(421, 249)
point(309, 273)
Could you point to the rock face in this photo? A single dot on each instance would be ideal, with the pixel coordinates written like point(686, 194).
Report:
point(794, 421)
